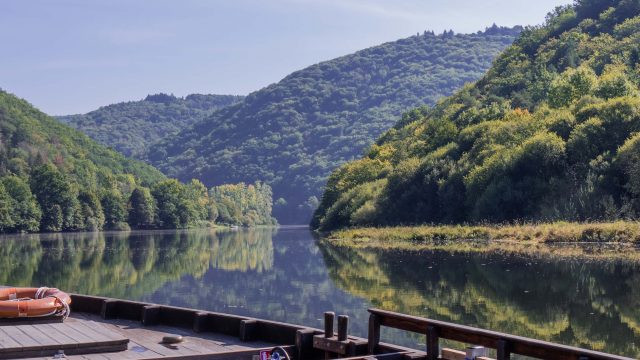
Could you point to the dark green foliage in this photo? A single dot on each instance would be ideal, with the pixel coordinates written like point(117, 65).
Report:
point(248, 205)
point(550, 132)
point(7, 222)
point(292, 134)
point(25, 211)
point(53, 178)
point(93, 216)
point(130, 127)
point(173, 208)
point(181, 206)
point(57, 197)
point(114, 210)
point(141, 209)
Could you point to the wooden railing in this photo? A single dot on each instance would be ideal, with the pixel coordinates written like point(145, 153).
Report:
point(504, 344)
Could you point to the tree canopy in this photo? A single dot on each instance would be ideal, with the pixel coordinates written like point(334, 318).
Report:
point(292, 134)
point(130, 127)
point(53, 178)
point(548, 133)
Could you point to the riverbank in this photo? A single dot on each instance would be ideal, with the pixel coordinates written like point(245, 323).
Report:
point(560, 238)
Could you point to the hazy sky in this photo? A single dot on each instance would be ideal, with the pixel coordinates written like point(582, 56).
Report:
point(72, 56)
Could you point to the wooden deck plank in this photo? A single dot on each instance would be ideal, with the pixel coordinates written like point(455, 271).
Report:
point(141, 355)
point(101, 329)
point(57, 332)
point(47, 339)
point(6, 341)
point(37, 336)
point(71, 332)
point(83, 329)
point(194, 344)
point(95, 336)
point(147, 338)
point(21, 338)
point(43, 337)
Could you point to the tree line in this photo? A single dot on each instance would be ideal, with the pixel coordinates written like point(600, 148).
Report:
point(292, 134)
point(551, 132)
point(131, 127)
point(54, 178)
point(50, 202)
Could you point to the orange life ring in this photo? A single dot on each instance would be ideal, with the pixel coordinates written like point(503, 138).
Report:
point(33, 302)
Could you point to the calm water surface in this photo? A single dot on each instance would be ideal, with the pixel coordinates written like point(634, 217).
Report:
point(287, 275)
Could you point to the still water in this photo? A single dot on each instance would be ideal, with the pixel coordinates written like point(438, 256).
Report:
point(287, 275)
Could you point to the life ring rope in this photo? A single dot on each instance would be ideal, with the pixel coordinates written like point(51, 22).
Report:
point(34, 302)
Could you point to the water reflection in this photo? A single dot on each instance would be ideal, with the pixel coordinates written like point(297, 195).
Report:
point(286, 275)
point(574, 301)
point(129, 264)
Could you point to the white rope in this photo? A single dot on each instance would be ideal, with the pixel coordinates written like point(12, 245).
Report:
point(66, 310)
point(40, 292)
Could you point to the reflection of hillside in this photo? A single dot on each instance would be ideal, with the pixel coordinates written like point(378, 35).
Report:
point(128, 264)
point(105, 263)
point(244, 250)
point(581, 307)
point(294, 287)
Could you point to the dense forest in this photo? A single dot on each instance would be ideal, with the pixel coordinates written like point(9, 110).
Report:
point(130, 127)
point(292, 134)
point(550, 132)
point(54, 178)
point(244, 204)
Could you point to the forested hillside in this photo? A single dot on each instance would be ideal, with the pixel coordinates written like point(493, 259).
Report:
point(130, 127)
point(550, 132)
point(292, 134)
point(243, 204)
point(54, 178)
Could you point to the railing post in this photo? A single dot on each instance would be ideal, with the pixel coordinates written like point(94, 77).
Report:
point(343, 327)
point(329, 316)
point(109, 309)
point(304, 343)
point(150, 315)
point(433, 343)
point(503, 349)
point(374, 333)
point(328, 324)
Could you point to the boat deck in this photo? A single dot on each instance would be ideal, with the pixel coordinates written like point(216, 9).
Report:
point(91, 337)
point(145, 342)
point(103, 328)
point(24, 339)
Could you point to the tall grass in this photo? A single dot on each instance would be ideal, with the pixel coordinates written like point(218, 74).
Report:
point(617, 240)
point(559, 232)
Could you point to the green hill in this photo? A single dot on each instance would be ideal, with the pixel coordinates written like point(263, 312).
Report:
point(292, 134)
point(550, 132)
point(130, 127)
point(54, 178)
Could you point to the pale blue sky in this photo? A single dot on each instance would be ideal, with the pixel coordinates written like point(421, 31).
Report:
point(72, 56)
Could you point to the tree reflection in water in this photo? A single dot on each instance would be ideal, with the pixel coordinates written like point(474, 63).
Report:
point(286, 275)
point(588, 303)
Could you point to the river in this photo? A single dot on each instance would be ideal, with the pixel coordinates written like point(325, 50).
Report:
point(287, 275)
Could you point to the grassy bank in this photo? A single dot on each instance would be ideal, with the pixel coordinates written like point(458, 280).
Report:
point(575, 238)
point(615, 232)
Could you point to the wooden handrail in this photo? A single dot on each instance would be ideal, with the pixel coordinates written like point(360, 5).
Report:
point(505, 344)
